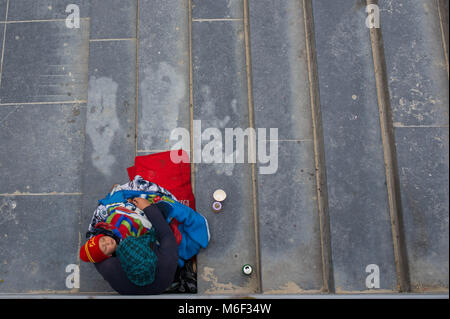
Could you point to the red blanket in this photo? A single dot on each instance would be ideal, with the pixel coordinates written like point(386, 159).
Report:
point(175, 177)
point(160, 169)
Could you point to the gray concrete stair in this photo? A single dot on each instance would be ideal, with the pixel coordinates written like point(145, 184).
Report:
point(361, 175)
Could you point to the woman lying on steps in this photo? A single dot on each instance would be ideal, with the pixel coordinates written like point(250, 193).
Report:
point(144, 262)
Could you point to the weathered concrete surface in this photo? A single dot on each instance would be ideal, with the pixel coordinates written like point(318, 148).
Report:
point(20, 10)
point(163, 57)
point(232, 233)
point(44, 147)
point(40, 237)
point(288, 219)
point(3, 4)
point(418, 86)
point(61, 155)
point(44, 62)
point(42, 127)
point(110, 127)
point(213, 9)
point(418, 83)
point(110, 143)
point(423, 169)
point(287, 198)
point(279, 73)
point(110, 118)
point(357, 194)
point(220, 101)
point(113, 19)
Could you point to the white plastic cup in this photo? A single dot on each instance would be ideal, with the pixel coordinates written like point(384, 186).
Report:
point(219, 195)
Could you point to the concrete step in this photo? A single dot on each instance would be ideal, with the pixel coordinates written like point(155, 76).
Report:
point(356, 181)
point(43, 99)
point(417, 79)
point(288, 216)
point(220, 101)
point(110, 129)
point(359, 185)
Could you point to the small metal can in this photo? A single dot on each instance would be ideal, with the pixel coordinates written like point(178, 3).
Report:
point(216, 207)
point(247, 269)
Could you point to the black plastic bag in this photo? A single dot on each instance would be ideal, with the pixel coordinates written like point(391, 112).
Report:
point(185, 280)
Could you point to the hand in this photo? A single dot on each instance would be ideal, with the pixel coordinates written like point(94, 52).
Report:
point(139, 202)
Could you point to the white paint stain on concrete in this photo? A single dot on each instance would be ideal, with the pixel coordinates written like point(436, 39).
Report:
point(102, 121)
point(162, 95)
point(209, 110)
point(7, 207)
